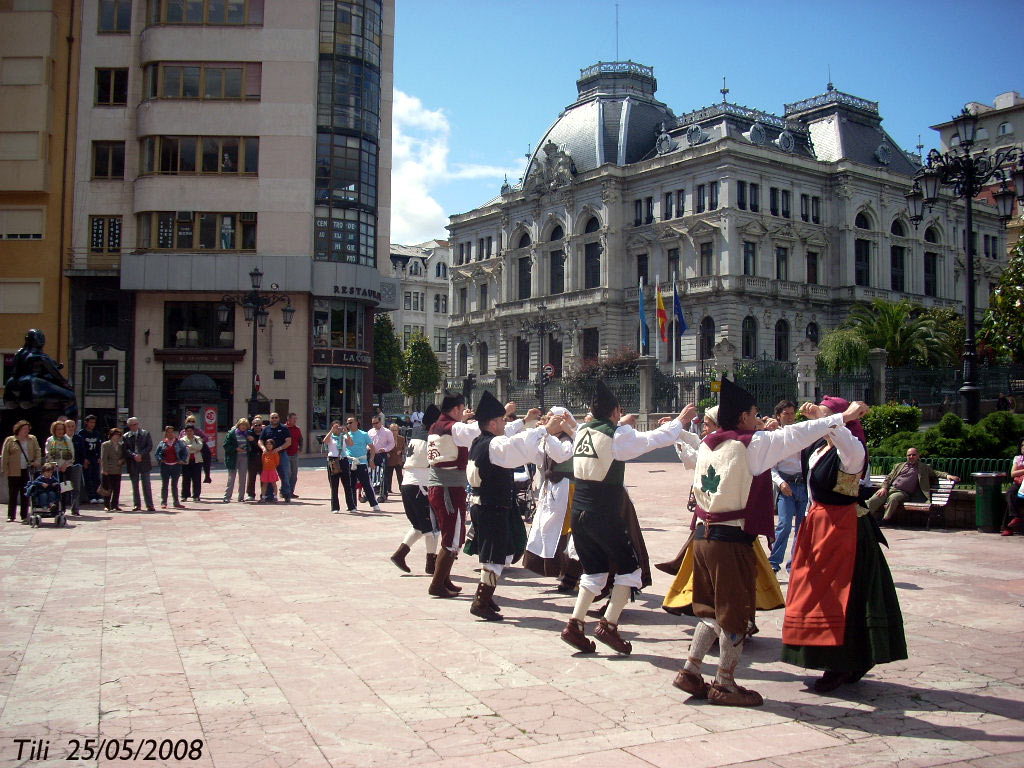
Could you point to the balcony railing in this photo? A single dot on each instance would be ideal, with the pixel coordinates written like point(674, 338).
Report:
point(85, 262)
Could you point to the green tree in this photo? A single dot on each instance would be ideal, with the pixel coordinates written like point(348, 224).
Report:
point(1003, 328)
point(843, 350)
point(952, 323)
point(900, 329)
point(422, 372)
point(387, 354)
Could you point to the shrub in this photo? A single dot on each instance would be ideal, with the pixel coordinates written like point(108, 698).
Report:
point(897, 444)
point(886, 420)
point(998, 435)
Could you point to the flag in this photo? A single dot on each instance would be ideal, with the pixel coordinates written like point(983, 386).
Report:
point(678, 309)
point(662, 314)
point(644, 332)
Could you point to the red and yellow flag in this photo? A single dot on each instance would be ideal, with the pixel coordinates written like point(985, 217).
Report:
point(662, 315)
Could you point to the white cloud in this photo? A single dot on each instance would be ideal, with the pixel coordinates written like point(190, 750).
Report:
point(420, 164)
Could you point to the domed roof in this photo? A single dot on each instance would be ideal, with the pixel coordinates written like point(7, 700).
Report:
point(615, 118)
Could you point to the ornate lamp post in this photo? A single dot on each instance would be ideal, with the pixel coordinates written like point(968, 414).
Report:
point(967, 173)
point(255, 305)
point(542, 327)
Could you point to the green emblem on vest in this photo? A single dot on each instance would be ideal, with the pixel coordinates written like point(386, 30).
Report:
point(709, 481)
point(585, 447)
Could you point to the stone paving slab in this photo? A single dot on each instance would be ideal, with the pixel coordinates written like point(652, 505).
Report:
point(281, 635)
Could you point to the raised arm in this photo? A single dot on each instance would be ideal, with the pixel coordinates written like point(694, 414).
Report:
point(628, 443)
point(766, 449)
point(522, 448)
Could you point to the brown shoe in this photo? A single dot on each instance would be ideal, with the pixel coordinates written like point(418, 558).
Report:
point(452, 587)
point(830, 681)
point(399, 558)
point(482, 603)
point(691, 683)
point(573, 634)
point(608, 634)
point(431, 560)
point(437, 588)
point(741, 697)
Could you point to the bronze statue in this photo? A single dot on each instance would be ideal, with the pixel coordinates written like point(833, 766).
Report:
point(36, 382)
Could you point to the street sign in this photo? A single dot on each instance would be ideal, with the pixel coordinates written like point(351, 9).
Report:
point(256, 382)
point(549, 369)
point(716, 386)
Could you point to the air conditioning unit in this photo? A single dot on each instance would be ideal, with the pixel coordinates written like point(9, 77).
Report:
point(184, 216)
point(248, 216)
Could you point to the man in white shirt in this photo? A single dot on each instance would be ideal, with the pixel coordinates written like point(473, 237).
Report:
point(791, 487)
point(383, 441)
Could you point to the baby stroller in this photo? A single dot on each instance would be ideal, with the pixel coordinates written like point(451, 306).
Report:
point(376, 480)
point(525, 500)
point(45, 502)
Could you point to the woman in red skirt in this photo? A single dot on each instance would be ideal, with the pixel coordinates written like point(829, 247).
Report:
point(842, 613)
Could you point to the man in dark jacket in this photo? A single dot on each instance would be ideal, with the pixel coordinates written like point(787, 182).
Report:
point(87, 448)
point(138, 445)
point(911, 480)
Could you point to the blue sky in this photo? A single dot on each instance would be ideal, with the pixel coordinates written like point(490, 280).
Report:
point(478, 82)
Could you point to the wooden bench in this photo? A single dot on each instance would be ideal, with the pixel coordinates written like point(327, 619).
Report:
point(936, 508)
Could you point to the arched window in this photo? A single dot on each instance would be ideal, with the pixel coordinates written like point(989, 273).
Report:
point(931, 235)
point(557, 233)
point(898, 229)
point(482, 354)
point(524, 240)
point(813, 333)
point(592, 225)
point(414, 267)
point(1005, 129)
point(782, 340)
point(441, 270)
point(862, 221)
point(463, 360)
point(707, 338)
point(749, 337)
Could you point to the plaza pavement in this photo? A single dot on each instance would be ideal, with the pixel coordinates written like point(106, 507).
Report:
point(283, 636)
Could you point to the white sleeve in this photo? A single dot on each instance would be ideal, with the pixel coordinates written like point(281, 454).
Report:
point(766, 449)
point(628, 443)
point(514, 427)
point(686, 448)
point(511, 452)
point(464, 434)
point(851, 450)
point(776, 477)
point(558, 450)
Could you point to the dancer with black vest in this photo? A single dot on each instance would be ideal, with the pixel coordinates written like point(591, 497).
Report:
point(599, 533)
point(732, 486)
point(492, 460)
point(447, 454)
point(415, 476)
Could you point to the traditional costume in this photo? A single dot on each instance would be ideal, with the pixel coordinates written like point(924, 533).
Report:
point(842, 612)
point(679, 598)
point(732, 487)
point(498, 529)
point(415, 476)
point(448, 444)
point(600, 535)
point(549, 532)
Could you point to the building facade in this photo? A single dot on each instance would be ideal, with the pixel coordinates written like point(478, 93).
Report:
point(422, 272)
point(217, 139)
point(38, 75)
point(1000, 126)
point(770, 226)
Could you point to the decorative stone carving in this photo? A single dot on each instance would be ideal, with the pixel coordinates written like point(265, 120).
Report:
point(552, 171)
point(610, 192)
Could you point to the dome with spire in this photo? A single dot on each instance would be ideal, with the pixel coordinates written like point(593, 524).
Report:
point(615, 119)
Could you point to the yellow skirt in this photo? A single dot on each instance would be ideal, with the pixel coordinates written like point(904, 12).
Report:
point(680, 595)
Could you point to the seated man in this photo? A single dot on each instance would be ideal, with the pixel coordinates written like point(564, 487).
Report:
point(911, 481)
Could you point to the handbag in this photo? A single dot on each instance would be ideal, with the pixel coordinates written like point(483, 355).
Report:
point(66, 486)
point(334, 465)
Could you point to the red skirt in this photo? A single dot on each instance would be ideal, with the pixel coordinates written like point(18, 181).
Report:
point(819, 585)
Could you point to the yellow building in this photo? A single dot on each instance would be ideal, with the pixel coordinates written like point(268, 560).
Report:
point(38, 73)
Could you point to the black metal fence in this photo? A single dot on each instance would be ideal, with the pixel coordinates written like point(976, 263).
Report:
point(769, 381)
point(934, 386)
point(854, 385)
point(575, 395)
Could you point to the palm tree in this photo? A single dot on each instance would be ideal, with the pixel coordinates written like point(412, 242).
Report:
point(899, 328)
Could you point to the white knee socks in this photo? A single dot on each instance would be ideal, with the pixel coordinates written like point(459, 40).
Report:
point(617, 601)
point(411, 537)
point(583, 601)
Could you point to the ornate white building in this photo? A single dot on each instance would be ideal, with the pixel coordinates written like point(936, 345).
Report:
point(772, 226)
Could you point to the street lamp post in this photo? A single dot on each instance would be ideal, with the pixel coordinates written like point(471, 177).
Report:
point(967, 173)
point(541, 326)
point(255, 305)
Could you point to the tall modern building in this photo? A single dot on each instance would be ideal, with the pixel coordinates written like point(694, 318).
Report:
point(770, 226)
point(217, 141)
point(38, 77)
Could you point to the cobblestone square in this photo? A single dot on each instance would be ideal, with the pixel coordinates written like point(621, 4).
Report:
point(281, 635)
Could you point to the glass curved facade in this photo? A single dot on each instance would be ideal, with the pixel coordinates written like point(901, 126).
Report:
point(348, 131)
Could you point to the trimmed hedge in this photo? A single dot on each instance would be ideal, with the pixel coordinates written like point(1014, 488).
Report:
point(998, 435)
point(886, 420)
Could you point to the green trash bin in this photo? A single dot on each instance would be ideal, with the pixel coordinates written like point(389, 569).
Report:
point(988, 505)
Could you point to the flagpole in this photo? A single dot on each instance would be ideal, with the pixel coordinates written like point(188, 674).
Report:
point(640, 329)
point(675, 324)
point(657, 336)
